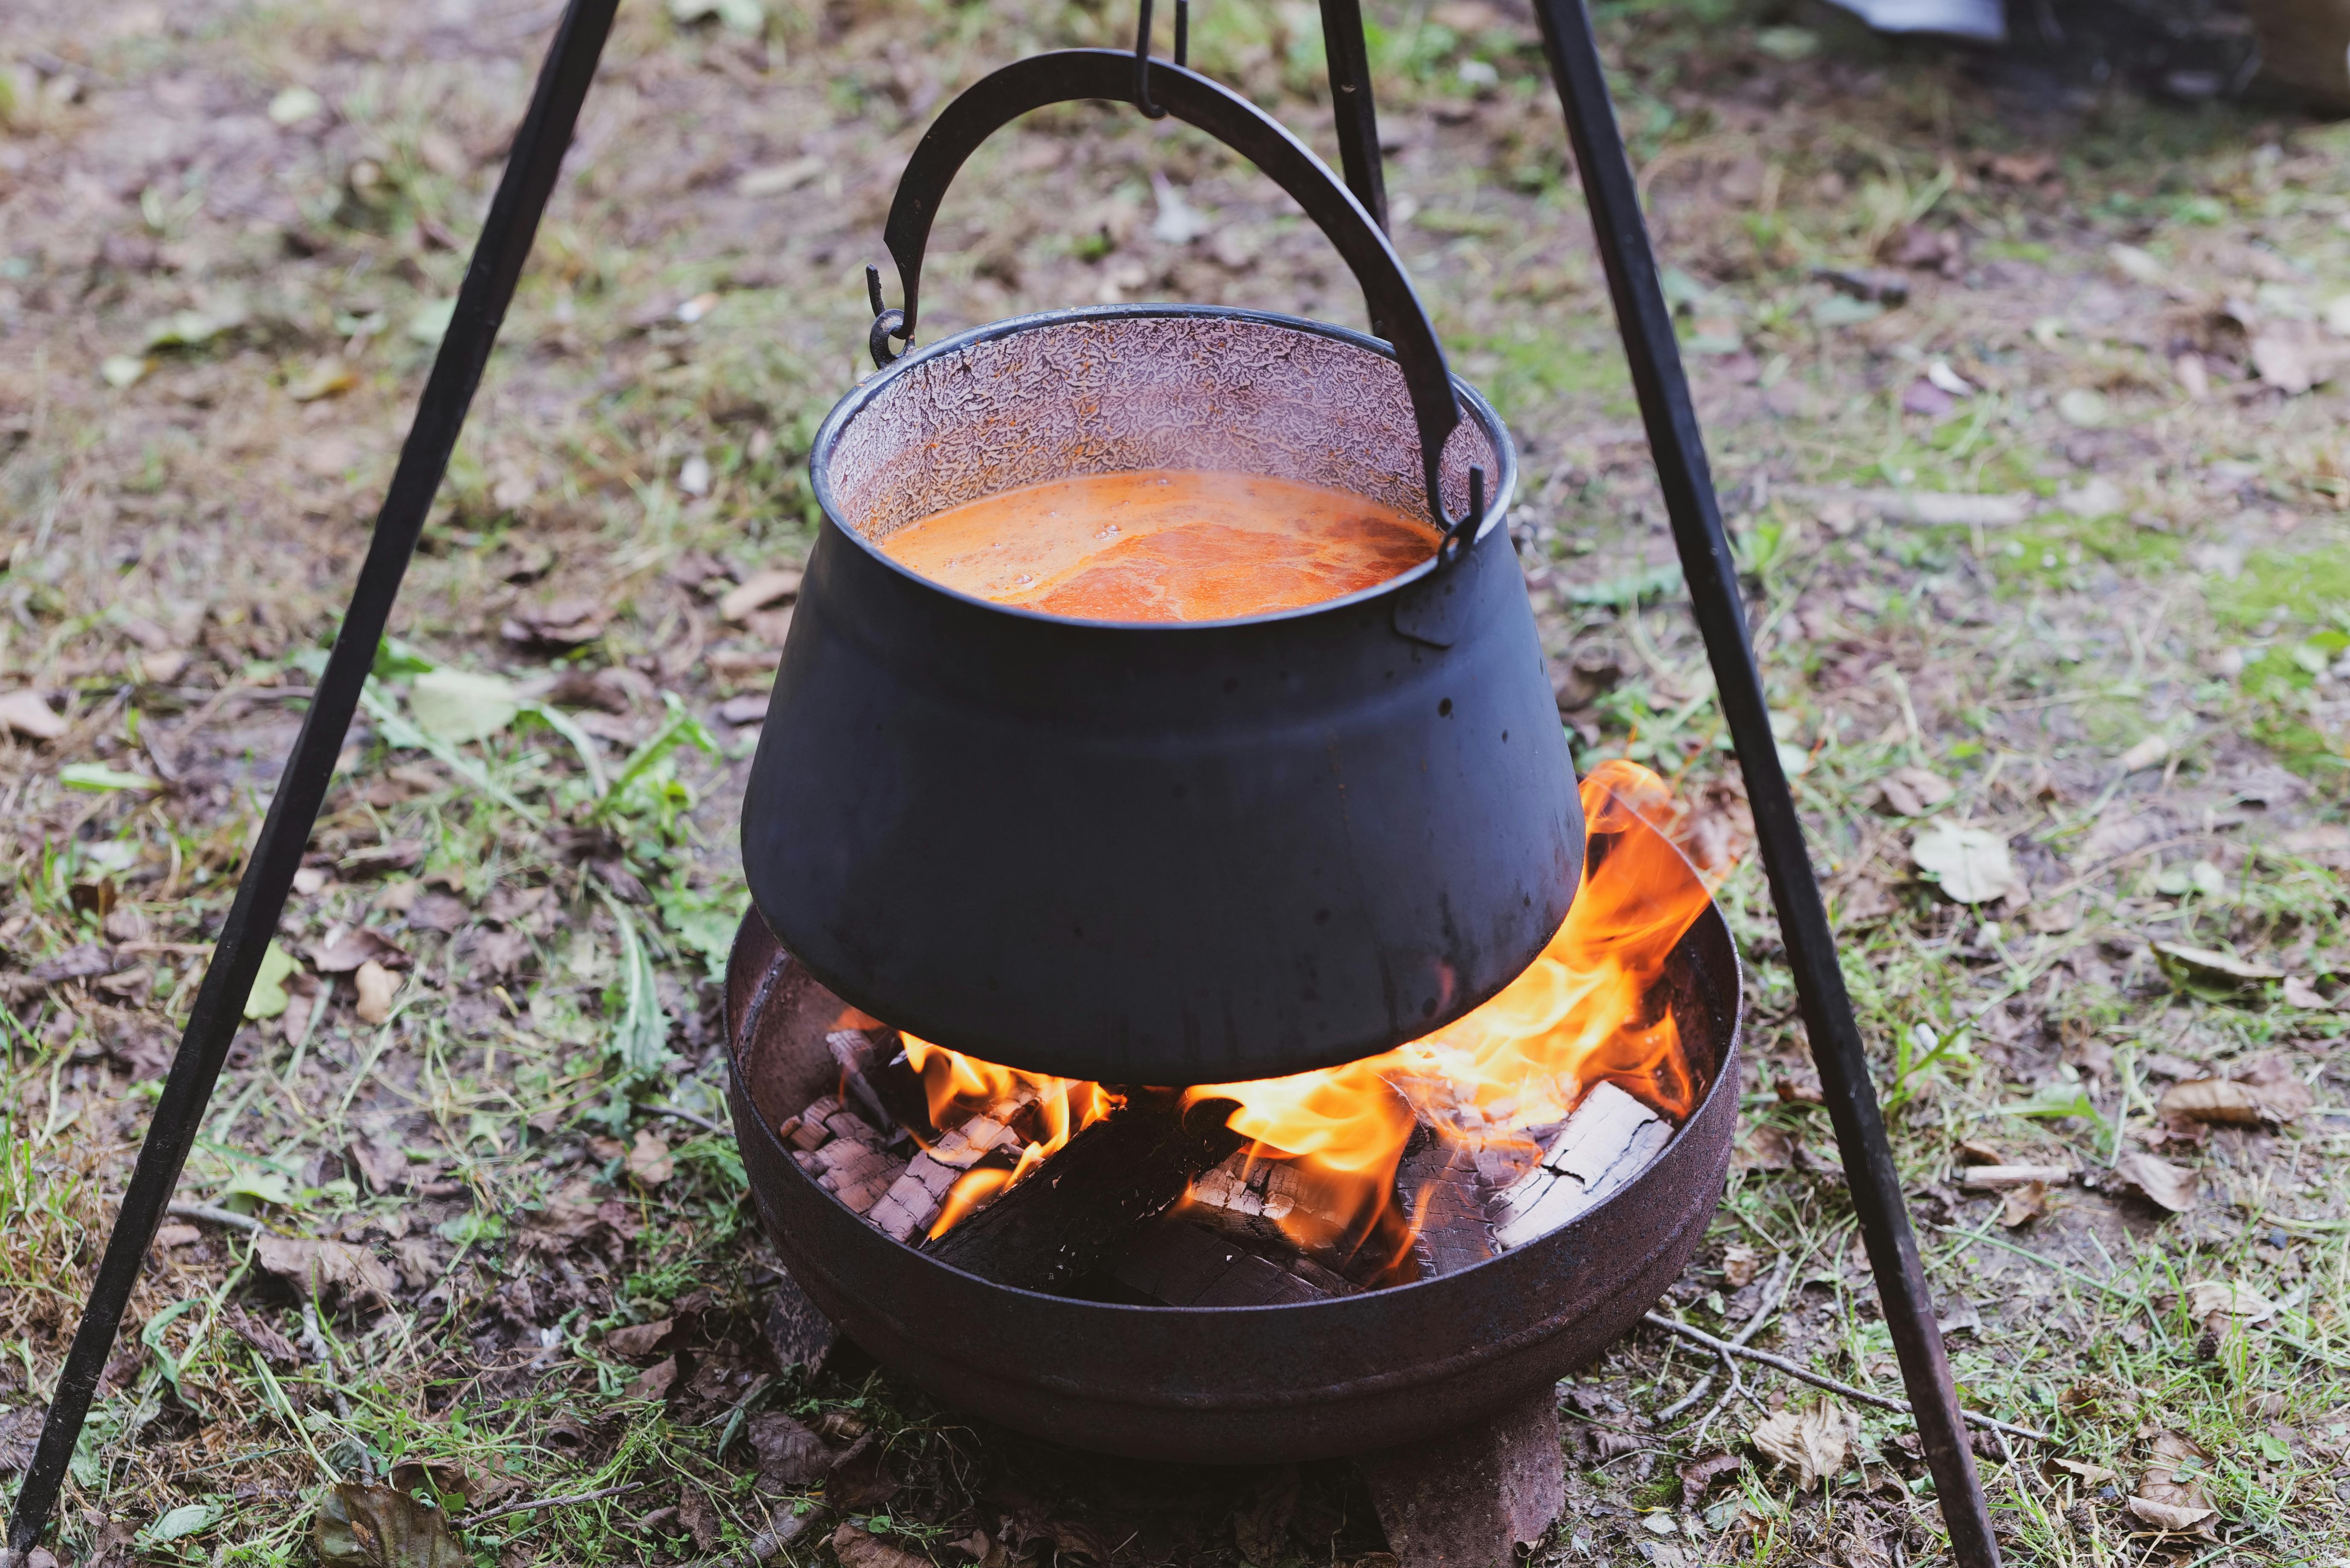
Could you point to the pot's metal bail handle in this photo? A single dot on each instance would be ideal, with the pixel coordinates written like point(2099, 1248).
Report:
point(1119, 76)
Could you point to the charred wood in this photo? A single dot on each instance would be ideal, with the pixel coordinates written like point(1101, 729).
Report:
point(1076, 1213)
point(1609, 1139)
point(1179, 1263)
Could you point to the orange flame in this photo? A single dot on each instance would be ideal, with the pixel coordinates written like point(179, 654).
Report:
point(953, 1083)
point(1579, 1014)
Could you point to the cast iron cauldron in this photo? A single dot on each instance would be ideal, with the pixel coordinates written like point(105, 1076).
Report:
point(1168, 853)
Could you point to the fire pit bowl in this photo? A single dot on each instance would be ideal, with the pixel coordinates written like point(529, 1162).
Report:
point(1162, 852)
point(1258, 1384)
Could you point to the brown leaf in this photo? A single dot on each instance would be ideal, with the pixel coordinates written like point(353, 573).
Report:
point(383, 1164)
point(1740, 1265)
point(354, 948)
point(2172, 1518)
point(2283, 1095)
point(2231, 1101)
point(29, 715)
point(856, 1548)
point(273, 1346)
point(438, 913)
point(791, 1457)
point(87, 962)
point(362, 1526)
point(566, 623)
point(2169, 1186)
point(1913, 792)
point(1765, 1148)
point(655, 1381)
point(2208, 1299)
point(377, 986)
point(759, 590)
point(648, 1161)
point(324, 1266)
point(2023, 1205)
point(639, 1340)
point(700, 1519)
point(1260, 1530)
point(381, 859)
point(1812, 1442)
point(1699, 1475)
point(860, 1478)
point(2214, 967)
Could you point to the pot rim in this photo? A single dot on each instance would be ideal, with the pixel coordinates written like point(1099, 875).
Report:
point(1500, 490)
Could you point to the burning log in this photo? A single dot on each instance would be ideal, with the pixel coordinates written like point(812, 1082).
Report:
point(843, 1152)
point(915, 1199)
point(1609, 1139)
point(1076, 1213)
point(1445, 1193)
point(1179, 1263)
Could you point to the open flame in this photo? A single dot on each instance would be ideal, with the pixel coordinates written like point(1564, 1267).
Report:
point(957, 1086)
point(1578, 1015)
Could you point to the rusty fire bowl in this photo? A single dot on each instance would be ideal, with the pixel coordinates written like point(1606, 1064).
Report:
point(1237, 1385)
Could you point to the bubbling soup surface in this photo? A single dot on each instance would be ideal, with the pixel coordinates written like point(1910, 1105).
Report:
point(1163, 545)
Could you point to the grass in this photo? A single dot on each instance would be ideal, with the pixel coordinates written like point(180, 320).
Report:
point(571, 1012)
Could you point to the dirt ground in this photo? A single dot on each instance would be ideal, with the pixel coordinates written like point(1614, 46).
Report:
point(2017, 378)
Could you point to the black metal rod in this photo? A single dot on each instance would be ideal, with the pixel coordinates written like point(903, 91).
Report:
point(1349, 53)
point(482, 300)
point(1679, 450)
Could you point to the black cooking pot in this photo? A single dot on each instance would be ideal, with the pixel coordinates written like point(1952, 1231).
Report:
point(1163, 852)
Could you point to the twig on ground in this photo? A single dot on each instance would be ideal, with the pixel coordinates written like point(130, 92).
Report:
point(468, 1521)
point(206, 1214)
point(685, 1116)
point(779, 1533)
point(1806, 1374)
point(1774, 1293)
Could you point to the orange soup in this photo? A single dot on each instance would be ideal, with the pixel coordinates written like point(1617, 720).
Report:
point(1163, 545)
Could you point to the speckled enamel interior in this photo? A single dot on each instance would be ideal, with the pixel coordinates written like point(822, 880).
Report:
point(1107, 394)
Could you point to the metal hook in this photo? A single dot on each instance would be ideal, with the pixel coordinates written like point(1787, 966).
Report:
point(887, 324)
point(1462, 532)
point(1142, 55)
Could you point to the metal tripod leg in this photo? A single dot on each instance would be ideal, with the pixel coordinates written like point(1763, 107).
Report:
point(481, 301)
point(1713, 575)
point(1680, 451)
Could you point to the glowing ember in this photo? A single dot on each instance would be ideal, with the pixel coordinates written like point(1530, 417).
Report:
point(1580, 1015)
point(958, 1087)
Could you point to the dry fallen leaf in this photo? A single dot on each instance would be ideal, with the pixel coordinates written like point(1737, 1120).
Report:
point(2145, 753)
point(2091, 1475)
point(2300, 993)
point(2224, 1298)
point(566, 623)
point(320, 1266)
point(377, 986)
point(30, 715)
point(2163, 1499)
point(1914, 792)
point(791, 1457)
point(759, 590)
point(650, 1161)
point(1812, 1442)
point(2023, 1205)
point(2171, 1187)
point(2264, 1091)
point(1972, 864)
point(856, 1549)
point(354, 948)
point(639, 1340)
point(2212, 966)
point(1740, 1265)
point(380, 1527)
